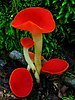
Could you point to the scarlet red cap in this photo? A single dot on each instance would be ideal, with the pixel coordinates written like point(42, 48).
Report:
point(21, 82)
point(34, 19)
point(32, 55)
point(27, 42)
point(55, 66)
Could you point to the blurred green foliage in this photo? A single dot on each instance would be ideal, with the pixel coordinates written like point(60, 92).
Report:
point(70, 97)
point(63, 12)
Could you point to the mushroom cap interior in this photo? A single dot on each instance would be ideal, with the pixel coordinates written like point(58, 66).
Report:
point(55, 66)
point(34, 19)
point(27, 42)
point(21, 82)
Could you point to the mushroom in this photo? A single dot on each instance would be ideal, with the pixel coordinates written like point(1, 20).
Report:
point(21, 82)
point(55, 66)
point(32, 55)
point(28, 43)
point(37, 20)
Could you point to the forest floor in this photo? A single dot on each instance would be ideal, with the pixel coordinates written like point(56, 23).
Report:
point(51, 87)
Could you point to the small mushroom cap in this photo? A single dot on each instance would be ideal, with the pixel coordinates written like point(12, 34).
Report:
point(21, 82)
point(32, 55)
point(55, 66)
point(34, 19)
point(27, 42)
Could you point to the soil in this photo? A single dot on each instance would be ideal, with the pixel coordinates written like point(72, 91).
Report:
point(51, 87)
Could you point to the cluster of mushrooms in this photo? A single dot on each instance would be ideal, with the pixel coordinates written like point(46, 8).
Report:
point(37, 21)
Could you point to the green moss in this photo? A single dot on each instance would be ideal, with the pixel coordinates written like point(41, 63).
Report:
point(63, 13)
point(70, 97)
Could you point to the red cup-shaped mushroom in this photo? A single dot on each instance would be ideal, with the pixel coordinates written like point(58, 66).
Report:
point(55, 66)
point(32, 55)
point(37, 20)
point(28, 43)
point(21, 82)
point(34, 19)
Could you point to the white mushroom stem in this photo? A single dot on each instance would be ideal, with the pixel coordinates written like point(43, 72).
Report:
point(31, 65)
point(28, 68)
point(38, 50)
